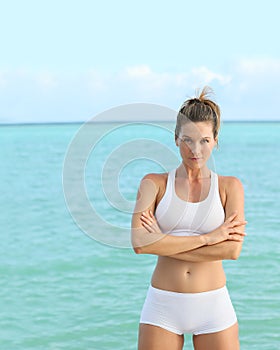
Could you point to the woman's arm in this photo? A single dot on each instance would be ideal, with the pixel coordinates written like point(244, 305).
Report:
point(153, 241)
point(227, 249)
point(147, 237)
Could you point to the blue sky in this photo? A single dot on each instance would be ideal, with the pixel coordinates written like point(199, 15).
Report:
point(70, 60)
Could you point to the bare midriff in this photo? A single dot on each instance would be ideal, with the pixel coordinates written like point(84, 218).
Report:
point(188, 277)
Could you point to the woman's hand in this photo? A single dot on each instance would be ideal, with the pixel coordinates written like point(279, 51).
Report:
point(230, 230)
point(149, 222)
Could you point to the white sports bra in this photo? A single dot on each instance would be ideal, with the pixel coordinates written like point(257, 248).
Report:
point(181, 218)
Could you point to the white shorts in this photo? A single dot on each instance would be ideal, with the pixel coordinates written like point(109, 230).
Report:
point(195, 313)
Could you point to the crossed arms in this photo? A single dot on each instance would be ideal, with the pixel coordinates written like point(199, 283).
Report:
point(225, 242)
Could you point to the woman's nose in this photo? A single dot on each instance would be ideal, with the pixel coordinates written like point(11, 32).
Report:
point(195, 148)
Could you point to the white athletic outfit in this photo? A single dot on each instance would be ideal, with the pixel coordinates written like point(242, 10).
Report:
point(196, 313)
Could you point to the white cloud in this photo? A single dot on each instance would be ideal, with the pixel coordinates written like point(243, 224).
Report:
point(141, 71)
point(259, 67)
point(149, 81)
point(202, 74)
point(256, 74)
point(249, 86)
point(207, 76)
point(143, 79)
point(254, 90)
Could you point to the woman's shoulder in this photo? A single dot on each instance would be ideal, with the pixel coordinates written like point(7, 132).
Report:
point(229, 186)
point(230, 183)
point(155, 181)
point(159, 181)
point(158, 178)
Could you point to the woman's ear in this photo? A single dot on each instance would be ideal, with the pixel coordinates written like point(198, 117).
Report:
point(176, 141)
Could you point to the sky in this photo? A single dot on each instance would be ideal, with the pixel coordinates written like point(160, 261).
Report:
point(67, 61)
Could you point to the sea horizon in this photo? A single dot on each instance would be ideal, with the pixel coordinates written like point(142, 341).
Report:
point(132, 121)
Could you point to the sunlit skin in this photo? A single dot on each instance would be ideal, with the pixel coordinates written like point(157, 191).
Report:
point(196, 142)
point(188, 271)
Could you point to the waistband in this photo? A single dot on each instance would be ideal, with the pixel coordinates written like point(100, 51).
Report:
point(191, 295)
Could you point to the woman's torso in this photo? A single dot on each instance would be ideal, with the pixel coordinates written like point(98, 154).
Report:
point(180, 217)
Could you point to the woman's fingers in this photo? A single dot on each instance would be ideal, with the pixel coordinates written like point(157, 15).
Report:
point(236, 228)
point(238, 223)
point(231, 220)
point(148, 227)
point(148, 216)
point(238, 232)
point(236, 237)
point(148, 222)
point(232, 226)
point(230, 223)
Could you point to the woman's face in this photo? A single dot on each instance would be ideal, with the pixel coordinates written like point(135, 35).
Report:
point(196, 142)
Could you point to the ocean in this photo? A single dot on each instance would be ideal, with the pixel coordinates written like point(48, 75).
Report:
point(69, 278)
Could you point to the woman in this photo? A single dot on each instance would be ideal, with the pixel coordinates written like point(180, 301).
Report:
point(192, 219)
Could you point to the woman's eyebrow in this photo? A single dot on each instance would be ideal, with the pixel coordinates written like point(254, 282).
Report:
point(203, 137)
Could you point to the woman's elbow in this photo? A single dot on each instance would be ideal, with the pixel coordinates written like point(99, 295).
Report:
point(143, 250)
point(235, 252)
point(135, 239)
point(136, 246)
point(235, 255)
point(138, 250)
point(144, 247)
point(143, 243)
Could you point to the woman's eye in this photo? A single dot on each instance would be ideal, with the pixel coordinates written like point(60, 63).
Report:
point(205, 141)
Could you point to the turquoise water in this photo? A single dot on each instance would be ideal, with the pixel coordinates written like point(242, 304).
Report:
point(61, 289)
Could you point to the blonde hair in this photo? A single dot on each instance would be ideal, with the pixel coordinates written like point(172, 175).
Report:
point(199, 109)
